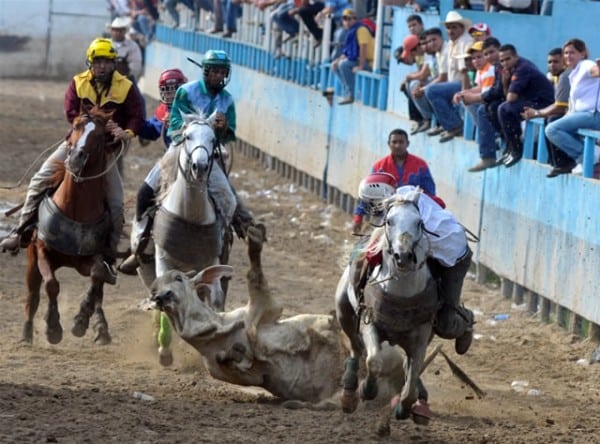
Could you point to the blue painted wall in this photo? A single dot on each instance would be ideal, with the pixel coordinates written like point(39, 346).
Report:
point(543, 234)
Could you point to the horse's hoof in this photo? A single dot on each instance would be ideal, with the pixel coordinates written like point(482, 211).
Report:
point(421, 414)
point(54, 336)
point(165, 357)
point(27, 333)
point(368, 390)
point(349, 401)
point(80, 326)
point(399, 411)
point(383, 429)
point(102, 337)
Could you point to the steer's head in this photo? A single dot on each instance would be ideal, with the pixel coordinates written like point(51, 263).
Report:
point(181, 297)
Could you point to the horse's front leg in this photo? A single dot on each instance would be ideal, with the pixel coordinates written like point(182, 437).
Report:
point(54, 331)
point(415, 357)
point(100, 325)
point(374, 362)
point(33, 280)
point(349, 322)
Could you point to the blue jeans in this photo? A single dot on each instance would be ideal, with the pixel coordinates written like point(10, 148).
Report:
point(486, 137)
point(284, 21)
point(563, 132)
point(421, 103)
point(346, 76)
point(440, 96)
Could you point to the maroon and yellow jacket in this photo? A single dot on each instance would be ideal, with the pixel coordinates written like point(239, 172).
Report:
point(122, 97)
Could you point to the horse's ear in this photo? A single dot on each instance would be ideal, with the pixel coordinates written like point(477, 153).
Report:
point(211, 119)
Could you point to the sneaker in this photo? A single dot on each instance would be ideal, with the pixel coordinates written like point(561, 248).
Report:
point(512, 159)
point(346, 101)
point(109, 275)
point(483, 164)
point(129, 265)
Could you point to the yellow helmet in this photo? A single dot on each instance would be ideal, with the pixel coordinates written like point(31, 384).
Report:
point(101, 48)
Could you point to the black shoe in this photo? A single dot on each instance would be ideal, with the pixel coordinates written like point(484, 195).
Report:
point(462, 344)
point(512, 159)
point(557, 171)
point(425, 125)
point(503, 158)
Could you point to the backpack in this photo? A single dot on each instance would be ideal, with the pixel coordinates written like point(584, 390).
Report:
point(370, 24)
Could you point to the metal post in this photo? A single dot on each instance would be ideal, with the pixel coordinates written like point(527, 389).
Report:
point(378, 37)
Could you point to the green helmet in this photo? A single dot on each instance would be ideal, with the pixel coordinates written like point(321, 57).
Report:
point(214, 58)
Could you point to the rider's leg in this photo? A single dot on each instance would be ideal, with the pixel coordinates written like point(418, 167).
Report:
point(453, 320)
point(146, 198)
point(36, 190)
point(114, 198)
point(221, 191)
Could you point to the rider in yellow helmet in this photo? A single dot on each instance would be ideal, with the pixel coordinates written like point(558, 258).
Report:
point(100, 85)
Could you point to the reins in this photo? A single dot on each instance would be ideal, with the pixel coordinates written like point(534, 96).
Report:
point(80, 179)
point(20, 181)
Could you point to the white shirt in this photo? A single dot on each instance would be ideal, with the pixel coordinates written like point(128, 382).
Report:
point(456, 48)
point(585, 89)
point(449, 244)
point(130, 50)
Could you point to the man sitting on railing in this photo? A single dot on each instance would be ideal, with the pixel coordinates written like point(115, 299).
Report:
point(357, 54)
point(562, 87)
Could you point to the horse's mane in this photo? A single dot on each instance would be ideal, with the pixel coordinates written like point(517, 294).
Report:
point(377, 239)
point(168, 162)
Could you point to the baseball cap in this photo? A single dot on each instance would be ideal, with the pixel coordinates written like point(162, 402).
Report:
point(348, 12)
point(477, 46)
point(410, 42)
point(482, 28)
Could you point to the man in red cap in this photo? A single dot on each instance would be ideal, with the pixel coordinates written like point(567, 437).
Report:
point(480, 32)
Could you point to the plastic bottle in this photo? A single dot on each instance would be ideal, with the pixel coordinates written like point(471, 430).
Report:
point(143, 396)
point(501, 317)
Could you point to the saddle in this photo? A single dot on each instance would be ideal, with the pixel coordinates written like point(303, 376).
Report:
point(68, 236)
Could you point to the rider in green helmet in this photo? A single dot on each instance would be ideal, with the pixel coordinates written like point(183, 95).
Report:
point(207, 95)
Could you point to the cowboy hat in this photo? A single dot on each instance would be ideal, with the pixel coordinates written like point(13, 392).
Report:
point(120, 22)
point(455, 17)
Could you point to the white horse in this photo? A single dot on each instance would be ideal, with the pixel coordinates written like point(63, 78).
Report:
point(399, 305)
point(188, 234)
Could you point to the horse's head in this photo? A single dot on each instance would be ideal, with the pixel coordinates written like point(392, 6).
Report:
point(86, 142)
point(196, 157)
point(406, 247)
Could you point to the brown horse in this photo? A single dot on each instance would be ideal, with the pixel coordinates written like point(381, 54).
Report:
point(72, 231)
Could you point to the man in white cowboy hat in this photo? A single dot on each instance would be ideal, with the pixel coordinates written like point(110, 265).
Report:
point(440, 94)
point(129, 54)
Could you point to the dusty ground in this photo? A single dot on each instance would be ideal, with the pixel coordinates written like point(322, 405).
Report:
point(80, 392)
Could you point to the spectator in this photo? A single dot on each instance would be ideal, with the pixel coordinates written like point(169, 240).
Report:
point(480, 31)
point(559, 76)
point(584, 107)
point(171, 7)
point(143, 23)
point(518, 6)
point(489, 98)
point(416, 48)
point(357, 54)
point(118, 8)
point(156, 127)
point(129, 54)
point(525, 85)
point(436, 50)
point(418, 5)
point(414, 22)
point(440, 94)
point(335, 9)
point(283, 18)
point(406, 168)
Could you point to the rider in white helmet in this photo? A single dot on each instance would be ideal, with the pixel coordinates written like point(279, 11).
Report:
point(450, 254)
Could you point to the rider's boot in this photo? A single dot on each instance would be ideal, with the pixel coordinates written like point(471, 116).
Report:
point(143, 225)
point(242, 220)
point(21, 236)
point(453, 320)
point(109, 274)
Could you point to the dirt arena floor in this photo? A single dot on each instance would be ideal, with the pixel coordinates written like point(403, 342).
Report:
point(77, 391)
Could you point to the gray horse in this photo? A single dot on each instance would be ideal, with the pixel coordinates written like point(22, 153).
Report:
point(399, 305)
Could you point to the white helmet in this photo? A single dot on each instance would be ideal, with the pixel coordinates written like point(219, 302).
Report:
point(374, 189)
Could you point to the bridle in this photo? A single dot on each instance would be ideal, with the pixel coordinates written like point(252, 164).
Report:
point(416, 243)
point(78, 178)
point(185, 170)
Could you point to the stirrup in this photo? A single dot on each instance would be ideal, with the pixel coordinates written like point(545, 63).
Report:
point(109, 275)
